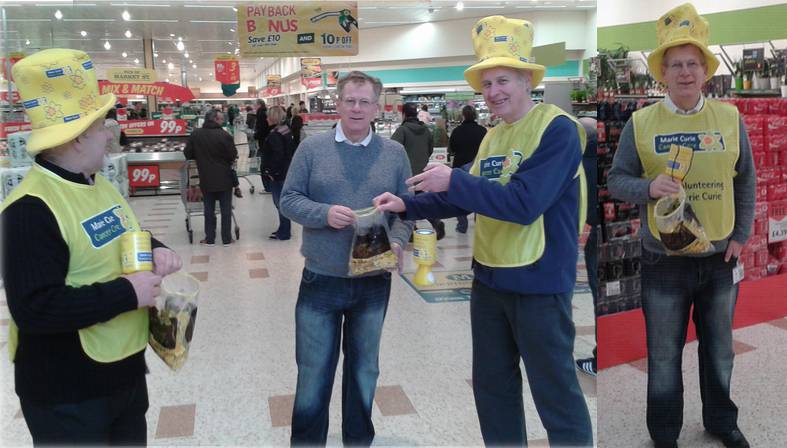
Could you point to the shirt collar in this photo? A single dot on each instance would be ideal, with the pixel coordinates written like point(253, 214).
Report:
point(675, 109)
point(77, 178)
point(340, 137)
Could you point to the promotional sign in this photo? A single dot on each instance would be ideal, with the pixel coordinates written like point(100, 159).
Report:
point(140, 128)
point(227, 69)
point(131, 75)
point(14, 97)
point(157, 89)
point(777, 221)
point(143, 176)
point(13, 58)
point(328, 28)
point(273, 86)
point(331, 78)
point(311, 72)
point(449, 286)
point(10, 128)
point(122, 114)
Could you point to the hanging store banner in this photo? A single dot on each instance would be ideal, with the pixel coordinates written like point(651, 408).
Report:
point(331, 78)
point(13, 58)
point(311, 72)
point(142, 128)
point(313, 28)
point(273, 86)
point(163, 90)
point(131, 75)
point(227, 69)
point(9, 128)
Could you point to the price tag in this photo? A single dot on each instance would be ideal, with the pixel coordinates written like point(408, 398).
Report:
point(737, 273)
point(170, 127)
point(613, 288)
point(143, 176)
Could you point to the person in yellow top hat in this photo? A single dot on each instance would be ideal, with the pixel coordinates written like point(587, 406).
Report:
point(79, 328)
point(719, 187)
point(527, 187)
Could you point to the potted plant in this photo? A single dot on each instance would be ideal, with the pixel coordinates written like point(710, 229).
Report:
point(738, 75)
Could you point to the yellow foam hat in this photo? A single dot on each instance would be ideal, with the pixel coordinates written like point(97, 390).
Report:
point(679, 26)
point(502, 42)
point(59, 92)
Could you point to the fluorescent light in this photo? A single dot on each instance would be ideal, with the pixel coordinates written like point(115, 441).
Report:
point(171, 35)
point(107, 45)
point(194, 66)
point(58, 15)
point(232, 30)
point(155, 55)
point(124, 54)
point(136, 61)
point(88, 20)
point(128, 34)
point(180, 46)
point(83, 33)
point(484, 7)
point(154, 20)
point(190, 61)
point(209, 6)
point(200, 78)
point(163, 61)
point(60, 4)
point(180, 38)
point(139, 5)
point(186, 54)
point(213, 21)
point(29, 20)
point(460, 6)
point(171, 66)
point(27, 41)
point(234, 9)
point(126, 16)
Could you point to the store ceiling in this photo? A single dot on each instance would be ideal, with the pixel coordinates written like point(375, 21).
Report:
point(206, 27)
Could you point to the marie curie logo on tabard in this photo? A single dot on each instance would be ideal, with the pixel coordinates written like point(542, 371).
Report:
point(104, 227)
point(495, 167)
point(709, 141)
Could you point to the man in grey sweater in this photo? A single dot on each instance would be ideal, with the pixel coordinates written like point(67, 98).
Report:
point(331, 175)
point(720, 187)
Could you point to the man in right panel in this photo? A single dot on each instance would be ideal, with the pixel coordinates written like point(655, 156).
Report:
point(719, 187)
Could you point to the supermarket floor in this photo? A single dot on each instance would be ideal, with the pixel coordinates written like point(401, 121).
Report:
point(237, 386)
point(758, 389)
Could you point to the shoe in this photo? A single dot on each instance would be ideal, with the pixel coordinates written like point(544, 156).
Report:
point(587, 366)
point(238, 193)
point(207, 243)
point(440, 230)
point(461, 229)
point(228, 244)
point(672, 444)
point(732, 439)
point(274, 236)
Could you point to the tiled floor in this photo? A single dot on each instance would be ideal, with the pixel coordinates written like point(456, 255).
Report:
point(238, 384)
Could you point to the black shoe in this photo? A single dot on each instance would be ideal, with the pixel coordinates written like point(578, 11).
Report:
point(672, 444)
point(205, 242)
point(587, 365)
point(461, 229)
point(732, 439)
point(440, 230)
point(238, 193)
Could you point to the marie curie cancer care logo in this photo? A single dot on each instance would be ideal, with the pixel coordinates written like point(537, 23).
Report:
point(104, 227)
point(496, 167)
point(710, 141)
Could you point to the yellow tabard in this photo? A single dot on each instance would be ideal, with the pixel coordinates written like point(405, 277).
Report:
point(91, 219)
point(502, 243)
point(713, 134)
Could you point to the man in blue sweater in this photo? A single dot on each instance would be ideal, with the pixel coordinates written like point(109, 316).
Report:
point(331, 175)
point(527, 187)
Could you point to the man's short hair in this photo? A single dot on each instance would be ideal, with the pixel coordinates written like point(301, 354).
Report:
point(211, 115)
point(360, 78)
point(666, 52)
point(468, 113)
point(409, 110)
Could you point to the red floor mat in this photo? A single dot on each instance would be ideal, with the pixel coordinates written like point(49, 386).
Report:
point(621, 336)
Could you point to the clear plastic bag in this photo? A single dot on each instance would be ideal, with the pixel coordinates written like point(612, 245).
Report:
point(172, 320)
point(371, 247)
point(679, 229)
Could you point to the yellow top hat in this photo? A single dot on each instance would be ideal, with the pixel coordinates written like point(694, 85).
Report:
point(679, 26)
point(59, 92)
point(502, 42)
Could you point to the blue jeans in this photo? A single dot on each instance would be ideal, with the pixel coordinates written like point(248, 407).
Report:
point(327, 307)
point(670, 286)
point(538, 329)
point(283, 232)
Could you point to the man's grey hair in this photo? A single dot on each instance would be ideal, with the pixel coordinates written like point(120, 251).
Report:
point(211, 115)
point(359, 78)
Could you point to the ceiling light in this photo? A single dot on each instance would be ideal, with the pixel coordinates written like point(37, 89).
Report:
point(232, 30)
point(128, 34)
point(136, 61)
point(83, 33)
point(155, 55)
point(186, 54)
point(235, 9)
point(107, 45)
point(124, 54)
point(180, 38)
point(126, 16)
point(194, 66)
point(200, 78)
point(171, 35)
point(460, 6)
point(167, 79)
point(180, 46)
point(27, 42)
point(190, 61)
point(163, 61)
point(58, 15)
point(170, 66)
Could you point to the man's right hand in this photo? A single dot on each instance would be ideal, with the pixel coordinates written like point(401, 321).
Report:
point(147, 287)
point(389, 202)
point(340, 216)
point(663, 185)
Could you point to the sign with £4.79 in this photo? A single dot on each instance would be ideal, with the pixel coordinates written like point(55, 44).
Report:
point(143, 176)
point(324, 28)
point(137, 128)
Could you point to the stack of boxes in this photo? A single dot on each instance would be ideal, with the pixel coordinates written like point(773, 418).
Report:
point(766, 124)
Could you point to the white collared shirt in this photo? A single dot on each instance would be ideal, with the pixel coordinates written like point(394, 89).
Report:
point(340, 137)
point(674, 107)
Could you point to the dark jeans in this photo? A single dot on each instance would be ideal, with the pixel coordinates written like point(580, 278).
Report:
point(225, 205)
point(283, 232)
point(538, 329)
point(461, 223)
point(118, 419)
point(327, 307)
point(591, 265)
point(670, 286)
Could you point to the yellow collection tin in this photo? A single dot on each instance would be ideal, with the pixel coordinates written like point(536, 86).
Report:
point(135, 252)
point(424, 246)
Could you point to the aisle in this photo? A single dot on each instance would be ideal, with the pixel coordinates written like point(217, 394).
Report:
point(238, 385)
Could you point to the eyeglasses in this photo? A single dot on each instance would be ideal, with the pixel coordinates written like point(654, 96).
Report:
point(363, 103)
point(679, 66)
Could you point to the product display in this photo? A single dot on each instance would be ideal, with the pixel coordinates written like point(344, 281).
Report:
point(371, 247)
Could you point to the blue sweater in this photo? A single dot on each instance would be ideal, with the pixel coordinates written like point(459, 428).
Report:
point(324, 173)
point(545, 185)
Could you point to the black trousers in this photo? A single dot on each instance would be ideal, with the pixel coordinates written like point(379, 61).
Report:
point(117, 419)
point(225, 205)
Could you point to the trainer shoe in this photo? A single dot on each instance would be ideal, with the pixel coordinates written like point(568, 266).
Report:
point(587, 365)
point(207, 243)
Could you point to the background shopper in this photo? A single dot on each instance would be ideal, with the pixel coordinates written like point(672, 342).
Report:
point(277, 154)
point(463, 146)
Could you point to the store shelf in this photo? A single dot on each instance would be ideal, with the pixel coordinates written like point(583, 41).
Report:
point(144, 157)
point(756, 93)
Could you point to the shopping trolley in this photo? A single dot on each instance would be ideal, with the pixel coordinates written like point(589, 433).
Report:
point(247, 166)
point(191, 195)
